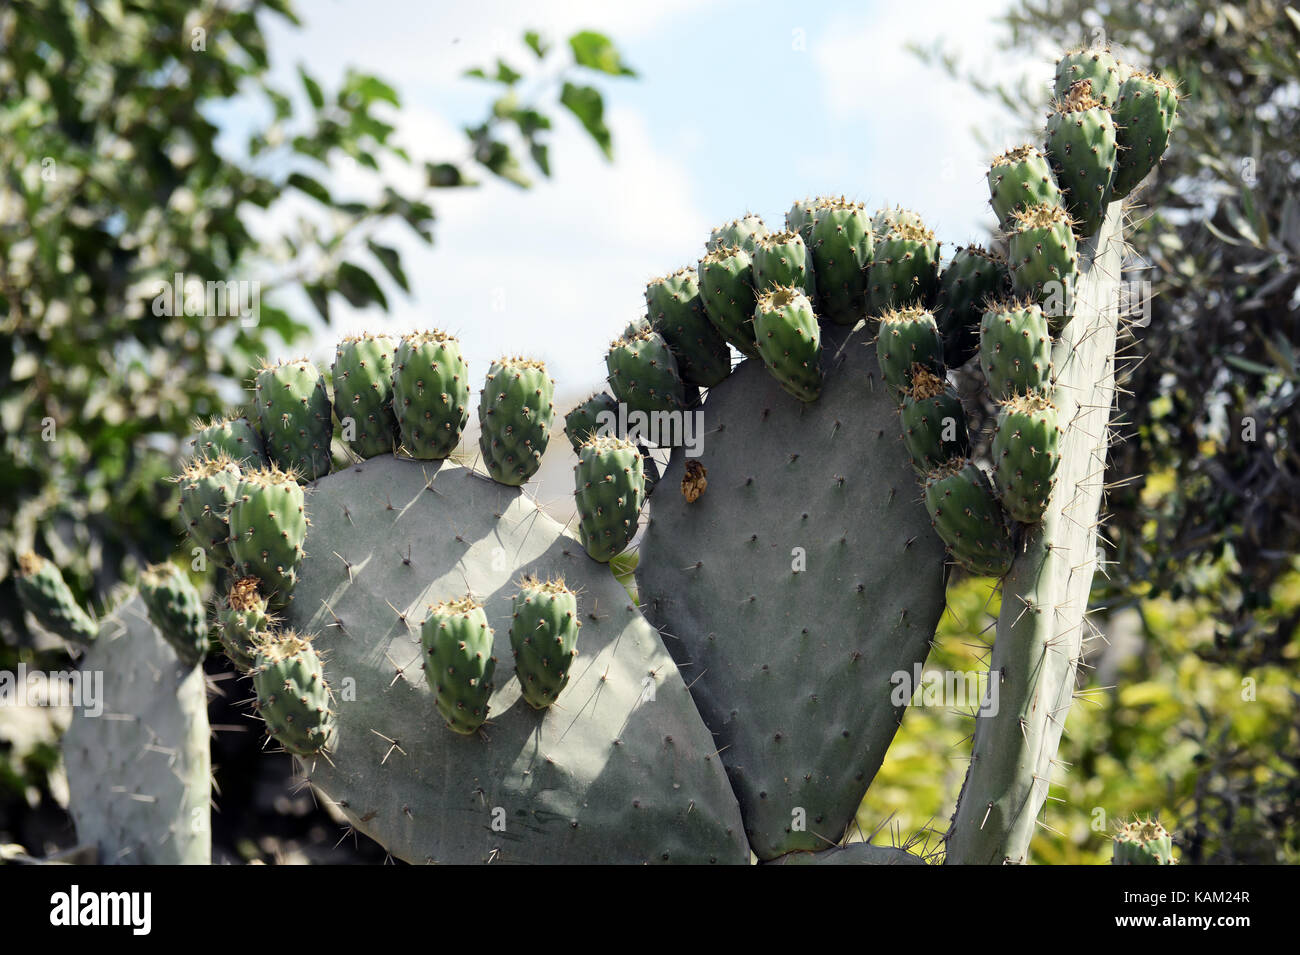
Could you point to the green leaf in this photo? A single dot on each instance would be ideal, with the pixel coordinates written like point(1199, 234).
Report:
point(313, 89)
point(310, 186)
point(359, 287)
point(1246, 365)
point(319, 295)
point(506, 75)
point(391, 260)
point(536, 43)
point(370, 88)
point(597, 52)
point(445, 175)
point(585, 103)
point(541, 156)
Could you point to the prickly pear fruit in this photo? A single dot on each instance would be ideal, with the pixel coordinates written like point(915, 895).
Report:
point(908, 338)
point(207, 489)
point(790, 341)
point(544, 636)
point(176, 610)
point(1026, 452)
point(515, 412)
point(727, 291)
point(232, 436)
point(643, 373)
point(430, 394)
point(904, 269)
point(1015, 349)
point(971, 278)
point(591, 417)
point(363, 393)
point(240, 618)
point(1081, 149)
point(45, 595)
point(609, 489)
point(292, 695)
point(1096, 66)
point(966, 514)
point(782, 259)
point(458, 662)
point(293, 411)
point(1020, 178)
point(887, 219)
point(738, 233)
point(676, 313)
point(1044, 261)
point(1144, 113)
point(839, 237)
point(800, 219)
point(268, 527)
point(1142, 842)
point(934, 423)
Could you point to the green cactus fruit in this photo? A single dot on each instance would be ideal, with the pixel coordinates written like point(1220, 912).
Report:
point(1097, 66)
point(292, 695)
point(591, 417)
point(841, 243)
point(609, 489)
point(363, 393)
point(738, 233)
point(676, 313)
point(1081, 148)
point(907, 338)
point(1142, 842)
point(968, 518)
point(268, 527)
point(1026, 453)
point(1020, 178)
point(544, 636)
point(782, 259)
point(1145, 113)
point(789, 340)
point(904, 269)
point(970, 280)
point(458, 662)
point(643, 373)
point(46, 596)
point(177, 610)
point(1044, 261)
point(887, 219)
point(934, 423)
point(515, 413)
point(727, 291)
point(800, 218)
point(293, 412)
point(240, 618)
point(207, 489)
point(232, 436)
point(430, 394)
point(1015, 349)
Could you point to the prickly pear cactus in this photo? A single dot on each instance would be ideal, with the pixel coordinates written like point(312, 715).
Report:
point(363, 393)
point(232, 436)
point(207, 489)
point(907, 339)
point(458, 662)
point(839, 238)
point(1015, 349)
point(1081, 148)
point(268, 527)
point(904, 268)
point(585, 420)
point(609, 489)
point(643, 373)
point(677, 313)
point(1142, 842)
point(430, 394)
point(619, 769)
point(139, 772)
point(794, 586)
point(972, 278)
point(544, 638)
point(46, 596)
point(294, 415)
point(789, 340)
point(292, 695)
point(515, 411)
point(177, 610)
point(241, 616)
point(1097, 66)
point(1144, 120)
point(1020, 178)
point(739, 233)
point(727, 291)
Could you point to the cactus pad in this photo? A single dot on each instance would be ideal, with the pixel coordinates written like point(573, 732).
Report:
point(1020, 178)
point(430, 394)
point(904, 269)
point(1015, 349)
point(268, 527)
point(362, 374)
point(643, 373)
point(1026, 453)
point(839, 237)
point(544, 637)
point(971, 278)
point(677, 313)
point(292, 695)
point(727, 291)
point(966, 514)
point(293, 412)
point(1081, 149)
point(1144, 120)
point(515, 412)
point(789, 340)
point(609, 490)
point(46, 596)
point(177, 610)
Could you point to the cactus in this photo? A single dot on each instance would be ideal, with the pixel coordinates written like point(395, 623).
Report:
point(934, 424)
point(907, 339)
point(789, 340)
point(965, 513)
point(1144, 113)
point(800, 218)
point(1096, 66)
point(727, 291)
point(293, 412)
point(643, 373)
point(1021, 178)
point(609, 490)
point(207, 489)
point(738, 233)
point(839, 237)
point(1026, 453)
point(46, 596)
point(543, 636)
point(458, 662)
point(362, 374)
point(1142, 842)
point(292, 694)
point(782, 259)
point(676, 313)
point(177, 610)
point(904, 269)
point(585, 420)
point(972, 278)
point(1045, 260)
point(430, 394)
point(232, 436)
point(887, 219)
point(515, 412)
point(268, 527)
point(242, 615)
point(1081, 148)
point(1015, 349)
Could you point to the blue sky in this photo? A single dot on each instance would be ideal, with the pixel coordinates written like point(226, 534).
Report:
point(738, 106)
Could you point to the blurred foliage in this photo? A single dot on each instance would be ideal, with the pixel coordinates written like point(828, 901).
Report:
point(1214, 381)
point(115, 177)
point(1212, 750)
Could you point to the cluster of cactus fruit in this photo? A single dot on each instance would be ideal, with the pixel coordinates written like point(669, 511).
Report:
point(791, 302)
